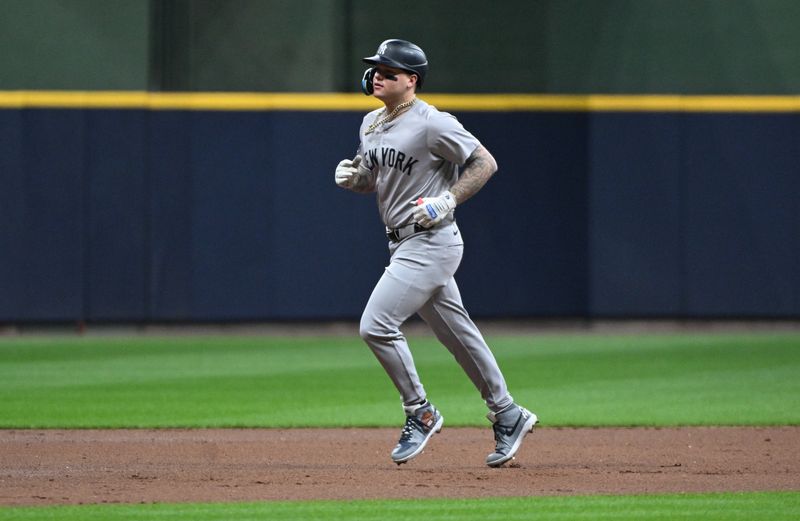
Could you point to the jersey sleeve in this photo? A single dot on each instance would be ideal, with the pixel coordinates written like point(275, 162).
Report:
point(447, 138)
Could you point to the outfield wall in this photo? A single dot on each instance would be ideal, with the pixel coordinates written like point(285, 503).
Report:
point(151, 208)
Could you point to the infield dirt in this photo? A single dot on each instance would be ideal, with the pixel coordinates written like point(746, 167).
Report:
point(40, 467)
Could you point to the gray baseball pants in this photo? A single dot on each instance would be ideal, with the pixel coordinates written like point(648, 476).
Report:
point(419, 279)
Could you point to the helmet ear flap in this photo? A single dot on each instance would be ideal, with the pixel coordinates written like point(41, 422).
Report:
point(366, 81)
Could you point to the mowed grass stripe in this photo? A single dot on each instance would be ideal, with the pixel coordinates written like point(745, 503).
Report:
point(251, 381)
point(758, 506)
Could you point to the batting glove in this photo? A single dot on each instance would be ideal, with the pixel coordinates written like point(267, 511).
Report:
point(346, 172)
point(430, 211)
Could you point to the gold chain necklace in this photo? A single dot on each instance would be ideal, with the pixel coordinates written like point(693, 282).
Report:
point(378, 122)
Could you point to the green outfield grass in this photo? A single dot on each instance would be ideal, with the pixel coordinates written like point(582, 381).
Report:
point(591, 380)
point(773, 506)
point(578, 380)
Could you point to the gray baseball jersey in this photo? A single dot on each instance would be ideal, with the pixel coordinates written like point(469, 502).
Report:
point(416, 155)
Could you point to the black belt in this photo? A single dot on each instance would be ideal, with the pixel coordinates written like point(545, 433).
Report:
point(398, 234)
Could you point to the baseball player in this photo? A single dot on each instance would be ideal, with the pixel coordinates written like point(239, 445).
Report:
point(410, 154)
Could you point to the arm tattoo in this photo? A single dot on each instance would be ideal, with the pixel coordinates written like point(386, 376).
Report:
point(478, 168)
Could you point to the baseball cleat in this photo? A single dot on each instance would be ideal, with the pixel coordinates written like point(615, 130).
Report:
point(422, 422)
point(510, 427)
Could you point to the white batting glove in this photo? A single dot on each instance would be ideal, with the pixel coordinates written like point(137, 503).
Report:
point(346, 172)
point(430, 211)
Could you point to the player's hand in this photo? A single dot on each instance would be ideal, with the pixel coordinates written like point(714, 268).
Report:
point(346, 172)
point(430, 211)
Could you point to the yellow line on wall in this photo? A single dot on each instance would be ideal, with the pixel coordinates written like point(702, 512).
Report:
point(228, 101)
point(185, 101)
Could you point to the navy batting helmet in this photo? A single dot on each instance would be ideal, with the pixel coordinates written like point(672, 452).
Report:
point(399, 54)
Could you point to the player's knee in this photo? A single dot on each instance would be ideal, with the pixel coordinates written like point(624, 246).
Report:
point(371, 328)
point(367, 327)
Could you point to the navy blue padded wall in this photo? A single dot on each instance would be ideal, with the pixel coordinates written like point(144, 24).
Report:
point(695, 215)
point(191, 215)
point(170, 235)
point(525, 232)
point(248, 223)
point(42, 208)
point(12, 214)
point(116, 219)
point(636, 174)
point(230, 214)
point(328, 245)
point(743, 214)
